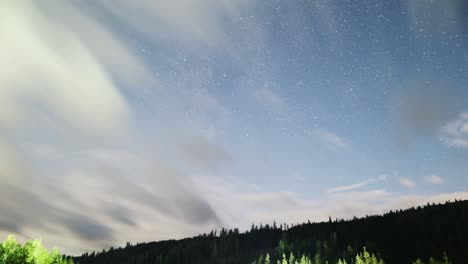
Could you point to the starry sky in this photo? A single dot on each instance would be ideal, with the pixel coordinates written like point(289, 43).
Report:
point(148, 120)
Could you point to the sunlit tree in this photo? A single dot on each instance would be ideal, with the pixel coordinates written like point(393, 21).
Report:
point(267, 259)
point(33, 252)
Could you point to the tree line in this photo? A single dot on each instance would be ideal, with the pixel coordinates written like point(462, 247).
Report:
point(400, 236)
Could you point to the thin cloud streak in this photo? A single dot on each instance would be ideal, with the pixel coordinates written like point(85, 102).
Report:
point(407, 183)
point(331, 138)
point(262, 206)
point(357, 185)
point(434, 179)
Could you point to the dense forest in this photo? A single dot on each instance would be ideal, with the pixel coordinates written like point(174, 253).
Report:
point(414, 235)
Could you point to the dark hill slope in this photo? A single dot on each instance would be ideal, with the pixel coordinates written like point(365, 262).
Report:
point(399, 237)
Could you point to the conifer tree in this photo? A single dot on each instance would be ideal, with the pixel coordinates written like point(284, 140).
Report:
point(267, 259)
point(292, 260)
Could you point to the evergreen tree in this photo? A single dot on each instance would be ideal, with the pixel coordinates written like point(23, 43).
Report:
point(267, 259)
point(292, 260)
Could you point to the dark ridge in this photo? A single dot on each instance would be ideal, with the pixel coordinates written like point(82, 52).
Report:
point(397, 237)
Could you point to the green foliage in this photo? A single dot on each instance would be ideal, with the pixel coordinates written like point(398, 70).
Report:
point(33, 252)
point(305, 260)
point(260, 259)
point(363, 257)
point(444, 260)
point(367, 258)
point(291, 258)
point(285, 260)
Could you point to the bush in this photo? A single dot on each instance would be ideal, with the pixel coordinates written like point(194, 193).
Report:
point(33, 252)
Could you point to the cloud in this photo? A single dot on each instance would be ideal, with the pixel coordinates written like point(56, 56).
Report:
point(247, 206)
point(25, 210)
point(46, 85)
point(280, 200)
point(86, 227)
point(9, 163)
point(69, 137)
point(111, 202)
point(367, 196)
point(185, 21)
point(121, 214)
point(407, 183)
point(434, 179)
point(455, 133)
point(358, 185)
point(205, 154)
point(331, 139)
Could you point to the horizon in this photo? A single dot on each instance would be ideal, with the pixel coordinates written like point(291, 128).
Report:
point(279, 226)
point(152, 120)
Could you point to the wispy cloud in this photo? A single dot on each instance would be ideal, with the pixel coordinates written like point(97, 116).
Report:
point(407, 183)
point(199, 21)
point(260, 206)
point(48, 77)
point(434, 179)
point(358, 185)
point(204, 154)
point(362, 195)
point(68, 124)
point(331, 138)
point(455, 133)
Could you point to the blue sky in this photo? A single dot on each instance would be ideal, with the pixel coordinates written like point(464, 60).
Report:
point(139, 121)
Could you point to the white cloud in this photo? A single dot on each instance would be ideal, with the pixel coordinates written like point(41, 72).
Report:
point(368, 195)
point(64, 77)
point(240, 206)
point(434, 179)
point(185, 21)
point(331, 138)
point(48, 74)
point(357, 185)
point(455, 133)
point(407, 183)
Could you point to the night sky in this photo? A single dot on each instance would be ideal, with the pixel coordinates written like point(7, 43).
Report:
point(147, 120)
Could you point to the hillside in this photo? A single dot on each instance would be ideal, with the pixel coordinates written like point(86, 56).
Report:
point(396, 237)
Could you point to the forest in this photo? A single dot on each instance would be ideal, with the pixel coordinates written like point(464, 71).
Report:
point(434, 233)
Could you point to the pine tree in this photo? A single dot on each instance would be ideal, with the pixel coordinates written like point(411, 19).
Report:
point(260, 259)
point(292, 260)
point(267, 259)
point(342, 261)
point(317, 259)
point(446, 259)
